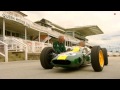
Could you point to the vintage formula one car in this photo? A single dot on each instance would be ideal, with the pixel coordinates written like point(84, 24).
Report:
point(78, 56)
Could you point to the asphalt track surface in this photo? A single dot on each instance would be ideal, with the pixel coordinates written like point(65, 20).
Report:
point(32, 69)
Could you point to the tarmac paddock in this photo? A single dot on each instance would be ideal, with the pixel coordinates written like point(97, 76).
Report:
point(31, 69)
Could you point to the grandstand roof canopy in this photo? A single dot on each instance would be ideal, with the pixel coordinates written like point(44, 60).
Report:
point(23, 14)
point(87, 30)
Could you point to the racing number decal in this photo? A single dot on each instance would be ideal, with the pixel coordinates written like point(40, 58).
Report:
point(62, 57)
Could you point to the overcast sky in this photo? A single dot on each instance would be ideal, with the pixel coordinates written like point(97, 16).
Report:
point(107, 21)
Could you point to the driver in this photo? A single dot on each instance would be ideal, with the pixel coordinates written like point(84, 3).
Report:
point(59, 45)
point(86, 49)
point(82, 44)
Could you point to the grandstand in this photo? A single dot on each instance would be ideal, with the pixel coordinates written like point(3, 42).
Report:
point(22, 39)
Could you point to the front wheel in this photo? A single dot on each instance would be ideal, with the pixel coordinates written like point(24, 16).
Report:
point(97, 58)
point(105, 56)
point(46, 57)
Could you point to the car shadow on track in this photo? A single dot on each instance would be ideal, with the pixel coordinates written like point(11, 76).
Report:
point(69, 70)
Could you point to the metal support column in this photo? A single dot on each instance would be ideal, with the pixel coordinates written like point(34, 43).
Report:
point(25, 33)
point(3, 29)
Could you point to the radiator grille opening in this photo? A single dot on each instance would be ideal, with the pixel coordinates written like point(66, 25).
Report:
point(62, 62)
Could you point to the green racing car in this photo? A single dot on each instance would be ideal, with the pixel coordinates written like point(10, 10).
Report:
point(76, 57)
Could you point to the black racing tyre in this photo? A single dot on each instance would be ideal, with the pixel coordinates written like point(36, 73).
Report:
point(46, 57)
point(97, 58)
point(105, 56)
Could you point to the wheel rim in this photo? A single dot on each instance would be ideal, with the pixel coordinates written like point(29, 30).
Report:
point(101, 58)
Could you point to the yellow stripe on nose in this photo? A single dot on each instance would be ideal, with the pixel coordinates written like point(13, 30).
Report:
point(62, 57)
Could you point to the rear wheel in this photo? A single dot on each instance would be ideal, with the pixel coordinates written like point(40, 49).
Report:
point(97, 58)
point(105, 56)
point(46, 57)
